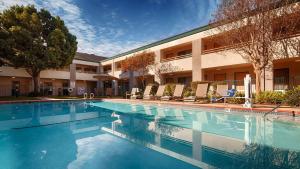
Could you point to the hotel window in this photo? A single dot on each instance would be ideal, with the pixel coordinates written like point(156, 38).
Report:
point(281, 79)
point(78, 69)
point(107, 68)
point(185, 80)
point(239, 80)
point(86, 70)
point(169, 80)
point(220, 77)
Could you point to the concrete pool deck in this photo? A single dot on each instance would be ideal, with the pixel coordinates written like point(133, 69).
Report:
point(259, 108)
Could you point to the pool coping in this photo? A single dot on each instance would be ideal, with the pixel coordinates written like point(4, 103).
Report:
point(235, 107)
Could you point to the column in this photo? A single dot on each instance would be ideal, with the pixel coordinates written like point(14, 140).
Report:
point(267, 81)
point(99, 83)
point(115, 87)
point(196, 61)
point(72, 82)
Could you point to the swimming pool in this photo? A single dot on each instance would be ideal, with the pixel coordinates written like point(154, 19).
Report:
point(110, 135)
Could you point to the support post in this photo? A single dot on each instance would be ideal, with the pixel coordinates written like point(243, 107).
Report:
point(197, 72)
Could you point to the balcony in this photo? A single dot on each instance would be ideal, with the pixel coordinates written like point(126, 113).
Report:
point(176, 57)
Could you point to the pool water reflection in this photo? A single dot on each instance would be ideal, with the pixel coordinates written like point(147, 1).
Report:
point(115, 135)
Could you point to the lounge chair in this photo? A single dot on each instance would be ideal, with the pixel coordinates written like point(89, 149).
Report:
point(147, 93)
point(134, 93)
point(221, 92)
point(160, 91)
point(224, 93)
point(201, 92)
point(177, 93)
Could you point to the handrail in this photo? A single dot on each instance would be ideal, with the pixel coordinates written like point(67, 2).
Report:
point(275, 108)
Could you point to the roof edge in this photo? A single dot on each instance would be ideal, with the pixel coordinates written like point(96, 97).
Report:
point(166, 40)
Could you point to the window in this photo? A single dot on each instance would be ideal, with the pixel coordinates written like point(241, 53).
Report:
point(107, 68)
point(78, 69)
point(281, 79)
point(220, 77)
point(169, 80)
point(118, 65)
point(239, 80)
point(86, 70)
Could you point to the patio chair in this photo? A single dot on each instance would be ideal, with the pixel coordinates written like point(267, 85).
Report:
point(134, 94)
point(177, 93)
point(224, 93)
point(160, 91)
point(201, 93)
point(147, 93)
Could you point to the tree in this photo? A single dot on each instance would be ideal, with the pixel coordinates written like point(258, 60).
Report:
point(248, 26)
point(159, 69)
point(35, 40)
point(139, 63)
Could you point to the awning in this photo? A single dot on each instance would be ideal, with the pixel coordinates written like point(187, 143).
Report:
point(105, 77)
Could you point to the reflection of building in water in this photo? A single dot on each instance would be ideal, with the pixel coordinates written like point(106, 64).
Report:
point(197, 145)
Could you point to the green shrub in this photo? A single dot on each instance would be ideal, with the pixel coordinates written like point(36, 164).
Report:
point(194, 86)
point(188, 91)
point(237, 100)
point(154, 88)
point(292, 97)
point(169, 90)
point(269, 97)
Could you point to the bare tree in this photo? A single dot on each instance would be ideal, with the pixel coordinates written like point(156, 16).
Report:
point(159, 69)
point(139, 63)
point(248, 27)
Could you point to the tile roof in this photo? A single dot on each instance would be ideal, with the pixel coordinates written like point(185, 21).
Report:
point(88, 57)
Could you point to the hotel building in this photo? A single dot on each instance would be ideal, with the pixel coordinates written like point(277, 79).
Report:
point(197, 55)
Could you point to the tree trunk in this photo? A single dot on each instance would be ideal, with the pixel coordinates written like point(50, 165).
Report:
point(36, 86)
point(258, 73)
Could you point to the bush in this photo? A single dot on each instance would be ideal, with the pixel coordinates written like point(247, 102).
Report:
point(269, 97)
point(169, 90)
point(154, 88)
point(237, 100)
point(188, 91)
point(292, 97)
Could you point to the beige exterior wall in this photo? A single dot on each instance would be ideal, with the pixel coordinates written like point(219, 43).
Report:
point(12, 72)
point(6, 85)
point(54, 74)
point(205, 65)
point(54, 77)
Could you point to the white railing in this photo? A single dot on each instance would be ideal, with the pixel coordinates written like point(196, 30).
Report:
point(176, 57)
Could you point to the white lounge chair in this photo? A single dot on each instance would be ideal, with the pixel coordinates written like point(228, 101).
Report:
point(177, 93)
point(160, 91)
point(201, 92)
point(147, 92)
point(133, 94)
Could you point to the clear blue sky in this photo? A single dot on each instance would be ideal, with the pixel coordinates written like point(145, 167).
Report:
point(109, 27)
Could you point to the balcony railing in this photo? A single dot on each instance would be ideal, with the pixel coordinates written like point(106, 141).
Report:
point(88, 72)
point(176, 57)
point(107, 71)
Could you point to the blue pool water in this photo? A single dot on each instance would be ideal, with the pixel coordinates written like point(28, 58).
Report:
point(110, 135)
